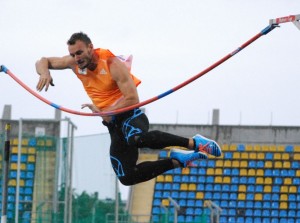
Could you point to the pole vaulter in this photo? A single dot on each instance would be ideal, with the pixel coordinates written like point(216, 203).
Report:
point(273, 23)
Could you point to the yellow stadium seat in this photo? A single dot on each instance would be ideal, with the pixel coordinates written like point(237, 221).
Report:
point(244, 156)
point(185, 171)
point(219, 163)
point(253, 156)
point(210, 171)
point(265, 148)
point(242, 188)
point(225, 147)
point(251, 172)
point(227, 163)
point(297, 156)
point(218, 179)
point(199, 195)
point(15, 141)
point(0, 157)
point(168, 178)
point(249, 148)
point(286, 164)
point(40, 142)
point(31, 158)
point(292, 189)
point(261, 156)
point(285, 156)
point(25, 142)
point(257, 148)
point(287, 181)
point(243, 172)
point(236, 155)
point(260, 172)
point(192, 187)
point(49, 142)
point(241, 196)
point(297, 148)
point(259, 180)
point(227, 180)
point(218, 171)
point(268, 180)
point(283, 189)
point(280, 148)
point(13, 166)
point(258, 197)
point(160, 178)
point(267, 189)
point(236, 163)
point(183, 186)
point(12, 182)
point(272, 148)
point(165, 202)
point(283, 205)
point(277, 156)
point(14, 149)
point(233, 147)
point(269, 164)
point(243, 164)
point(278, 164)
point(283, 197)
point(31, 150)
point(298, 173)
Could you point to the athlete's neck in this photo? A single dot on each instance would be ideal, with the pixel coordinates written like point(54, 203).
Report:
point(94, 62)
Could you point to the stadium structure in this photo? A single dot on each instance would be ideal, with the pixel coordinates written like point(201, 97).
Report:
point(257, 178)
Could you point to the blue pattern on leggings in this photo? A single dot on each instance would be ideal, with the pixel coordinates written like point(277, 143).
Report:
point(129, 130)
point(117, 165)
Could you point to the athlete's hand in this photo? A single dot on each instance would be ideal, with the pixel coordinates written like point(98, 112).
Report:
point(93, 108)
point(44, 81)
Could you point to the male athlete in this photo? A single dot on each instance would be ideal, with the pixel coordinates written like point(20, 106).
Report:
point(110, 85)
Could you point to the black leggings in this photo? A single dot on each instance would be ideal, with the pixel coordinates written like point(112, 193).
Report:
point(128, 132)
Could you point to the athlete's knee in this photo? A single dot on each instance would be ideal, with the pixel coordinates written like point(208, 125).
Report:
point(150, 139)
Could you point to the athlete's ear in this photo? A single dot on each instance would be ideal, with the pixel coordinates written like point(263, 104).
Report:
point(91, 46)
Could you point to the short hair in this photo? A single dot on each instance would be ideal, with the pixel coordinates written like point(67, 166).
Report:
point(79, 36)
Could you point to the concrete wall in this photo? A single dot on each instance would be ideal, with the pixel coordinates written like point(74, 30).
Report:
point(230, 134)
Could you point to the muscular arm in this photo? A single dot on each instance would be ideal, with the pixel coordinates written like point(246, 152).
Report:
point(125, 83)
point(45, 64)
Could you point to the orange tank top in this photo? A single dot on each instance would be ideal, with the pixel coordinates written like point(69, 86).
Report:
point(98, 84)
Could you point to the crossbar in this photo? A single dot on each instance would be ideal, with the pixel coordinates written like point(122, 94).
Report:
point(295, 19)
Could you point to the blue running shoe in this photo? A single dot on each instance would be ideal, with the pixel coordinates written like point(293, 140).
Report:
point(186, 157)
point(206, 145)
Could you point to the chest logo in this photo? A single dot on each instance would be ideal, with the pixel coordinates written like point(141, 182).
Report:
point(82, 71)
point(103, 71)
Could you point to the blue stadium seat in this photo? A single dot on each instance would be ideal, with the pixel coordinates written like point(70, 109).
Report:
point(292, 205)
point(260, 164)
point(30, 167)
point(11, 190)
point(275, 197)
point(202, 171)
point(163, 154)
point(182, 203)
point(268, 172)
point(234, 188)
point(208, 195)
point(189, 211)
point(269, 156)
point(175, 194)
point(291, 213)
point(250, 188)
point(276, 172)
point(235, 172)
point(211, 163)
point(157, 194)
point(232, 204)
point(249, 204)
point(257, 204)
point(217, 187)
point(203, 163)
point(289, 148)
point(200, 187)
point(266, 197)
point(267, 204)
point(175, 186)
point(193, 171)
point(177, 179)
point(156, 210)
point(233, 196)
point(209, 187)
point(284, 173)
point(201, 179)
point(251, 180)
point(231, 219)
point(210, 179)
point(278, 180)
point(295, 165)
point(241, 204)
point(257, 219)
point(241, 148)
point(185, 179)
point(275, 189)
point(167, 186)
point(274, 220)
point(235, 180)
point(156, 202)
point(249, 212)
point(216, 196)
point(191, 195)
point(252, 164)
point(274, 213)
point(228, 155)
point(225, 187)
point(193, 179)
point(292, 197)
point(291, 173)
point(224, 204)
point(282, 213)
point(198, 203)
point(222, 219)
point(243, 180)
point(224, 196)
point(183, 194)
point(190, 203)
point(158, 186)
point(28, 191)
point(169, 172)
point(227, 171)
point(249, 220)
point(249, 197)
point(266, 213)
point(240, 220)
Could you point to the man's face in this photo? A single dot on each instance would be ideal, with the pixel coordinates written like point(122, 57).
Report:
point(82, 53)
